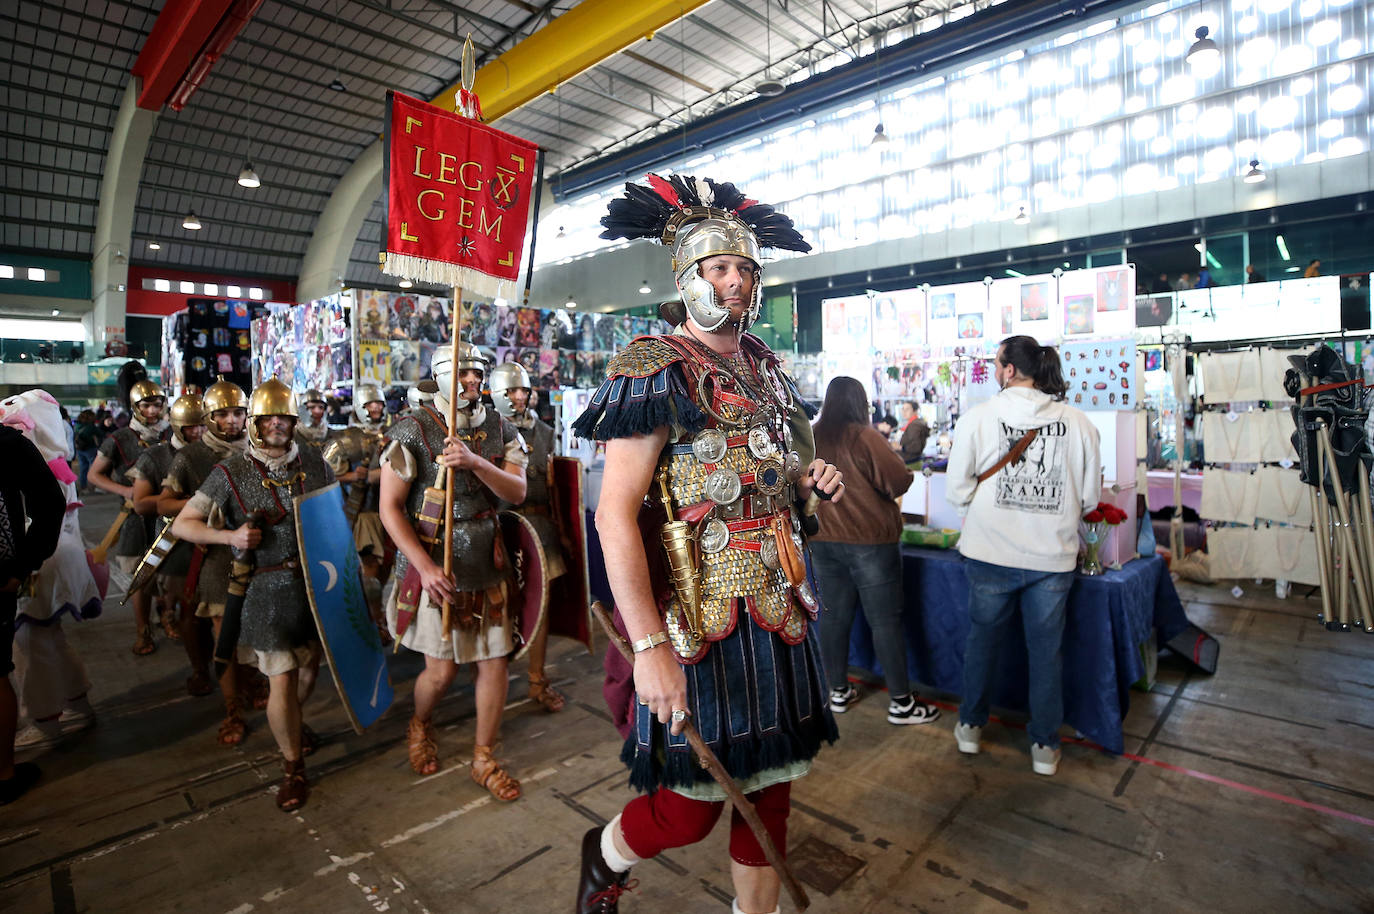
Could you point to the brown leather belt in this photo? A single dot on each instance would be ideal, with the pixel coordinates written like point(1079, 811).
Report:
point(291, 565)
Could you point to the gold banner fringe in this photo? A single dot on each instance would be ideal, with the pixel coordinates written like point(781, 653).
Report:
point(437, 272)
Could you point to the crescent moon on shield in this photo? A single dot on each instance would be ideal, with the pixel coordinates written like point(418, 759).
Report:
point(333, 575)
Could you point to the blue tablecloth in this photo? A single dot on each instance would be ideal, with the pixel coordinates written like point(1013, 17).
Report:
point(1109, 617)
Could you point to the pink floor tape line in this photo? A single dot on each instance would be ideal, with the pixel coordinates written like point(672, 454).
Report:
point(1193, 773)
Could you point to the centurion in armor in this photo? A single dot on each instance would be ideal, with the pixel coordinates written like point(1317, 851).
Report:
point(732, 488)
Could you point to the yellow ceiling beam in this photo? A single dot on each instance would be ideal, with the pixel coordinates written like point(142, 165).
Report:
point(576, 41)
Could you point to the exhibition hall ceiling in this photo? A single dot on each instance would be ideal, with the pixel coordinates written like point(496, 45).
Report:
point(299, 95)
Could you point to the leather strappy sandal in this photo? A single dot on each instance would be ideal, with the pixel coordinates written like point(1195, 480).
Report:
point(294, 789)
point(232, 728)
point(544, 694)
point(420, 745)
point(169, 624)
point(487, 771)
point(144, 645)
point(310, 740)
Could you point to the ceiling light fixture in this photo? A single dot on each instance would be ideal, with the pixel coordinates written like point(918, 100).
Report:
point(644, 288)
point(768, 87)
point(1255, 175)
point(337, 85)
point(561, 233)
point(191, 222)
point(406, 284)
point(879, 136)
point(1204, 55)
point(154, 246)
point(248, 177)
point(570, 304)
point(1021, 217)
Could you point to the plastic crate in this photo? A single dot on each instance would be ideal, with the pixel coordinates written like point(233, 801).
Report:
point(917, 535)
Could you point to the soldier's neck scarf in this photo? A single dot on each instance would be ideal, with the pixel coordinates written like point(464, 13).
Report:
point(224, 448)
point(524, 419)
point(149, 433)
point(273, 463)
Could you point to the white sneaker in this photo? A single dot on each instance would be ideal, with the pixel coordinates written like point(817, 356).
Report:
point(967, 737)
point(1044, 760)
point(39, 734)
point(841, 699)
point(80, 719)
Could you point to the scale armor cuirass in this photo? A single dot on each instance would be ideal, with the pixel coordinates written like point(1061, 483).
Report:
point(475, 526)
point(729, 480)
point(276, 614)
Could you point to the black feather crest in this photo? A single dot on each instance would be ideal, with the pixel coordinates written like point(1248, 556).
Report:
point(644, 211)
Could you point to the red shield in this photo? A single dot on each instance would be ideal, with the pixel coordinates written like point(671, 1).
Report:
point(570, 599)
point(530, 593)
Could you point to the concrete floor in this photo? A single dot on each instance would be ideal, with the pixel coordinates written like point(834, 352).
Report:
point(1241, 792)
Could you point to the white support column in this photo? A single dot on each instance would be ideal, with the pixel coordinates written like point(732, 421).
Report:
point(326, 259)
point(114, 227)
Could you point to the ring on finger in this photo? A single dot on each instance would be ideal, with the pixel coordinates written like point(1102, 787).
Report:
point(679, 715)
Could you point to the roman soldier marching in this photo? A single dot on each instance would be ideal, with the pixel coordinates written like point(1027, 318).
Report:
point(312, 428)
point(463, 617)
point(511, 393)
point(167, 562)
point(354, 455)
point(207, 580)
point(253, 494)
point(110, 472)
point(704, 422)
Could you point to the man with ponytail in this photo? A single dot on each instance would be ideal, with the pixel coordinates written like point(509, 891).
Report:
point(1020, 536)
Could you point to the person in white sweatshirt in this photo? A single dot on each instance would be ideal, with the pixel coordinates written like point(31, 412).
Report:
point(1020, 535)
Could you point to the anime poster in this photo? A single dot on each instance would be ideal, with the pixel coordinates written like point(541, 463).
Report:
point(343, 363)
point(373, 316)
point(1153, 310)
point(433, 324)
point(484, 328)
point(402, 319)
point(622, 331)
point(528, 357)
point(605, 332)
point(1078, 314)
point(567, 367)
point(374, 362)
point(405, 362)
point(304, 374)
point(586, 332)
point(970, 326)
point(942, 306)
point(426, 360)
point(887, 325)
point(639, 326)
point(1006, 319)
point(1114, 290)
point(506, 354)
point(585, 374)
point(505, 325)
point(527, 326)
point(546, 374)
point(598, 368)
point(555, 326)
point(1035, 301)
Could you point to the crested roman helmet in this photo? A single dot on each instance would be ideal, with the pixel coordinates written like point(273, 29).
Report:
point(224, 395)
point(505, 377)
point(447, 361)
point(364, 394)
point(187, 410)
point(697, 218)
point(146, 390)
point(270, 398)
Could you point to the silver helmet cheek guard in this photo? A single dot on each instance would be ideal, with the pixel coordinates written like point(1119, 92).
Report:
point(703, 304)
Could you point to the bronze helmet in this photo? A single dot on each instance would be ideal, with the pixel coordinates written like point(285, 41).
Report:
point(187, 410)
point(270, 398)
point(224, 395)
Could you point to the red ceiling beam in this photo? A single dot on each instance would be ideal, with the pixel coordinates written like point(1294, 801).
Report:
point(187, 39)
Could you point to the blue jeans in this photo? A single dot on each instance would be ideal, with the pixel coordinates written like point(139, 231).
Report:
point(851, 574)
point(84, 461)
point(993, 594)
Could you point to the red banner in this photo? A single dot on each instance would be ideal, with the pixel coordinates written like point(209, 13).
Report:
point(458, 198)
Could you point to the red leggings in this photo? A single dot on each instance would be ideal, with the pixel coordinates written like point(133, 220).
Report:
point(655, 822)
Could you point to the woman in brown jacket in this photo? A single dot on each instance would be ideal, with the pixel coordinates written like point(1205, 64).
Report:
point(856, 554)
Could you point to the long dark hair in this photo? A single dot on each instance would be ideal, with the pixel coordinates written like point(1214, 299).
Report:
point(1039, 363)
point(846, 403)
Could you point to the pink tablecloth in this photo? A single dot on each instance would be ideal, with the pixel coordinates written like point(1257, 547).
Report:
point(1162, 489)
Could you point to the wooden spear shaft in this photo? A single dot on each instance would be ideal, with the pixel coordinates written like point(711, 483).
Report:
point(717, 770)
point(454, 336)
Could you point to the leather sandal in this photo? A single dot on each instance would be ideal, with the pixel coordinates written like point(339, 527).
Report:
point(544, 694)
point(487, 771)
point(310, 741)
point(169, 624)
point(232, 728)
point(420, 745)
point(198, 684)
point(144, 645)
point(294, 789)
